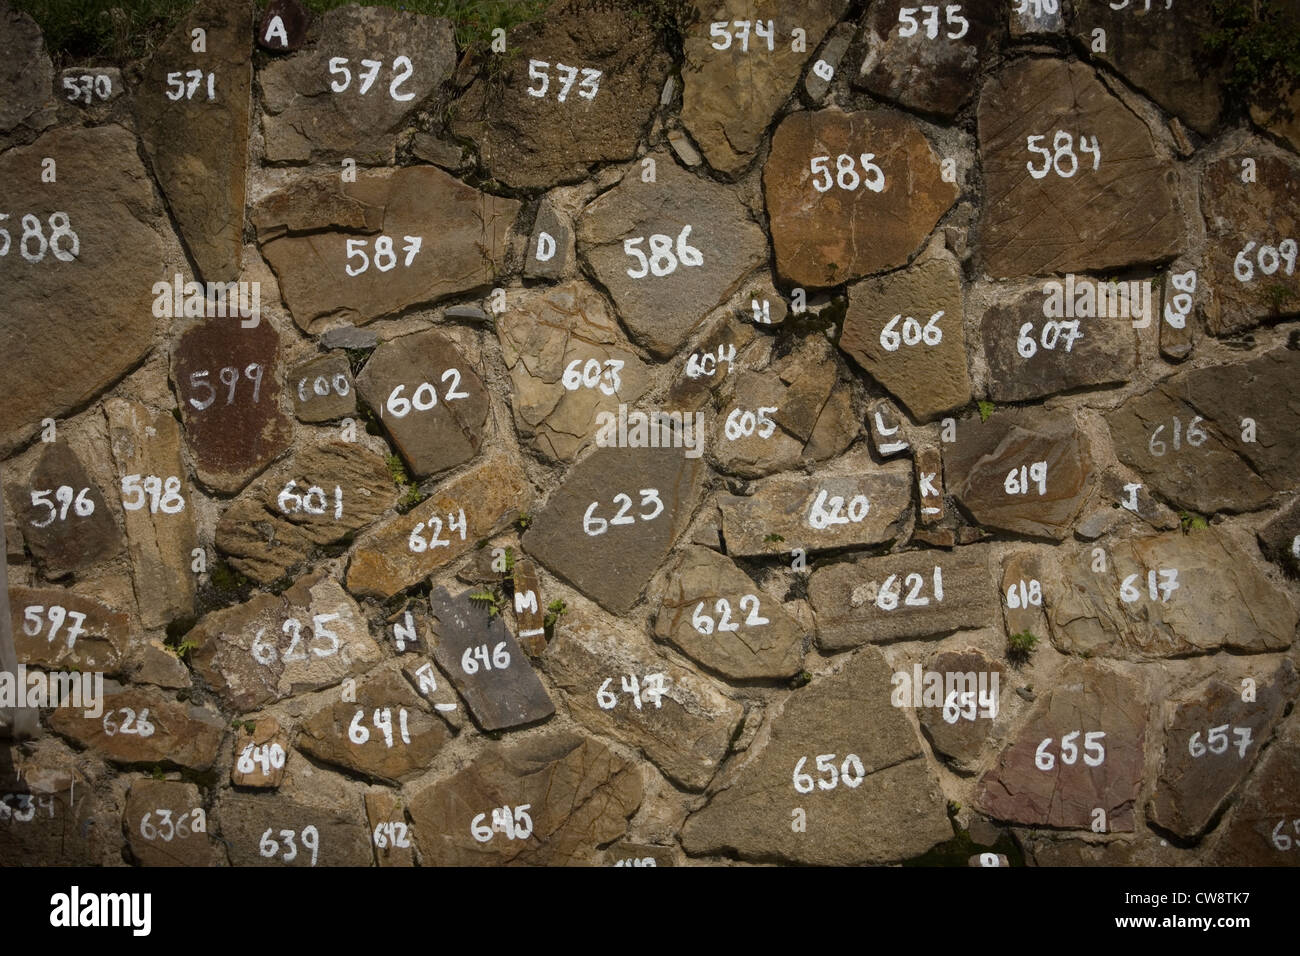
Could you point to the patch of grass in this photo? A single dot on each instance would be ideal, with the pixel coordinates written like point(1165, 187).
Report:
point(985, 409)
point(357, 359)
point(1021, 646)
point(103, 31)
point(473, 20)
point(802, 679)
point(523, 521)
point(1191, 521)
point(1277, 295)
point(157, 773)
point(554, 611)
point(225, 578)
point(1259, 41)
point(773, 538)
point(491, 599)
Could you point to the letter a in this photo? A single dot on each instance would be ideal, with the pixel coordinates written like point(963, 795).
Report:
point(1248, 690)
point(276, 28)
point(648, 170)
point(799, 821)
point(200, 40)
point(1099, 40)
point(349, 695)
point(1247, 170)
point(349, 171)
point(48, 170)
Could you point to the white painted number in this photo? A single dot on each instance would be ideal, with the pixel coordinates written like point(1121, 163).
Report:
point(56, 615)
point(60, 226)
point(851, 773)
point(593, 525)
point(846, 173)
point(164, 496)
point(1093, 752)
point(913, 333)
point(81, 506)
point(309, 836)
point(662, 261)
point(1269, 259)
point(1063, 144)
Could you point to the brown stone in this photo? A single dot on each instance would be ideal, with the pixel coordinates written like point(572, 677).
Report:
point(250, 824)
point(825, 238)
point(60, 629)
point(1121, 213)
point(1263, 828)
point(486, 665)
point(680, 720)
point(784, 512)
point(1211, 739)
point(389, 831)
point(322, 389)
point(578, 795)
point(895, 597)
point(531, 141)
point(462, 235)
point(232, 432)
point(160, 536)
point(142, 725)
point(894, 811)
point(932, 72)
point(400, 736)
point(1159, 48)
point(612, 566)
point(709, 363)
point(1208, 467)
point(261, 754)
point(283, 519)
point(546, 332)
point(60, 537)
point(26, 75)
point(729, 95)
point(529, 607)
point(196, 143)
point(1266, 212)
point(715, 614)
point(661, 310)
point(49, 814)
point(95, 319)
point(1223, 600)
point(890, 323)
point(429, 371)
point(977, 466)
point(1279, 539)
point(308, 119)
point(480, 503)
point(165, 825)
point(1085, 352)
point(960, 725)
point(241, 650)
point(1086, 700)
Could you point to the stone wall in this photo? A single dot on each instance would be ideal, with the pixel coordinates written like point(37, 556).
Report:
point(969, 525)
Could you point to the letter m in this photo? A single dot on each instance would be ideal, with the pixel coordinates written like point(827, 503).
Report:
point(525, 601)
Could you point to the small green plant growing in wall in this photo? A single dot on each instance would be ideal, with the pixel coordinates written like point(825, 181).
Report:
point(1021, 646)
point(1190, 521)
point(986, 410)
point(554, 611)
